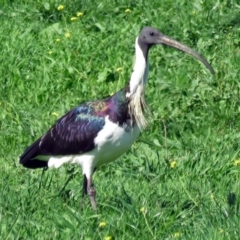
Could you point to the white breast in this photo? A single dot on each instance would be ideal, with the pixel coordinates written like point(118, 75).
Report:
point(111, 142)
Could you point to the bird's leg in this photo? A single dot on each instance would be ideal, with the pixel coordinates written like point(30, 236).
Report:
point(88, 189)
point(84, 190)
point(91, 193)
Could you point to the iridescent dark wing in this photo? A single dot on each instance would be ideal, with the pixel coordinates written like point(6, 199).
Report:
point(74, 133)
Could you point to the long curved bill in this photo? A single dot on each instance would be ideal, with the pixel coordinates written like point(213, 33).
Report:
point(173, 43)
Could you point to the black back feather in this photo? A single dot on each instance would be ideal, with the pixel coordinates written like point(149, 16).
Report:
point(74, 133)
point(28, 154)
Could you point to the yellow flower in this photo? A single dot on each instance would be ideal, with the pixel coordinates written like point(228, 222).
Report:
point(119, 69)
point(58, 40)
point(50, 52)
point(128, 10)
point(173, 164)
point(102, 224)
point(221, 230)
point(73, 18)
point(212, 197)
point(79, 14)
point(143, 210)
point(55, 114)
point(68, 35)
point(176, 234)
point(236, 162)
point(108, 238)
point(60, 7)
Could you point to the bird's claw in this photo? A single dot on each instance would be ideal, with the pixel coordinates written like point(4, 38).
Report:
point(92, 195)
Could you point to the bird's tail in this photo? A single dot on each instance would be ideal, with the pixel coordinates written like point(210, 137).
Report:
point(29, 158)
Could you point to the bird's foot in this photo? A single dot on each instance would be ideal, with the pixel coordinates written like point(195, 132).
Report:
point(88, 189)
point(92, 195)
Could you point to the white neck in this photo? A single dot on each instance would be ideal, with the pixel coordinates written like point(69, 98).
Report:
point(138, 80)
point(140, 70)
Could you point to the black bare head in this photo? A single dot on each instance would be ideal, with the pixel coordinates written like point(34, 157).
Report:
point(150, 36)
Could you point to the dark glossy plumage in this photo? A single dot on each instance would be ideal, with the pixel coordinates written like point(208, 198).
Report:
point(74, 133)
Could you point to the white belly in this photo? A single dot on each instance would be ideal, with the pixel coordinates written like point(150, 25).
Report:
point(111, 142)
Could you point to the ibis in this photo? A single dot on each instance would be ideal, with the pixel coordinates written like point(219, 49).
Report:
point(100, 131)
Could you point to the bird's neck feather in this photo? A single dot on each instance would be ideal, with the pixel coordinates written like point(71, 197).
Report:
point(137, 84)
point(140, 69)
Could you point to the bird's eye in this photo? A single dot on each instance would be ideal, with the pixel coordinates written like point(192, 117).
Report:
point(151, 33)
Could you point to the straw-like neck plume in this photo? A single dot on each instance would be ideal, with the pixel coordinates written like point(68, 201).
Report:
point(137, 105)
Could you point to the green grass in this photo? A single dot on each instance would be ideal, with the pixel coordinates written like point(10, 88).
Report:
point(195, 121)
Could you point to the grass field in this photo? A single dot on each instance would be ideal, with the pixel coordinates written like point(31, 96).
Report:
point(181, 179)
